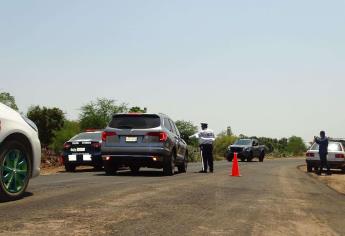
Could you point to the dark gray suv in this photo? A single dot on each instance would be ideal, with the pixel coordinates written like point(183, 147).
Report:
point(143, 140)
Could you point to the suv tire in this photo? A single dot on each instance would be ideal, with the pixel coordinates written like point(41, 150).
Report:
point(169, 165)
point(182, 168)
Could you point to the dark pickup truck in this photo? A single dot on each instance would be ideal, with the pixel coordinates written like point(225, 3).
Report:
point(247, 149)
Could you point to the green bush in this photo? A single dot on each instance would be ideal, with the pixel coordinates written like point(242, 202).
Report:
point(296, 146)
point(69, 129)
point(222, 143)
point(193, 154)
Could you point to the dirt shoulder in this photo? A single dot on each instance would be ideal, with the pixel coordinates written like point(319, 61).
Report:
point(336, 181)
point(53, 170)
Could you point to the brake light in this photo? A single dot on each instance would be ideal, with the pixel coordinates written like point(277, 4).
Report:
point(339, 156)
point(309, 154)
point(67, 146)
point(107, 134)
point(162, 136)
point(96, 145)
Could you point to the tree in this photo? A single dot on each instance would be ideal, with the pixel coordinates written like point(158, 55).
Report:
point(187, 129)
point(9, 100)
point(48, 121)
point(295, 146)
point(138, 110)
point(69, 129)
point(223, 141)
point(97, 114)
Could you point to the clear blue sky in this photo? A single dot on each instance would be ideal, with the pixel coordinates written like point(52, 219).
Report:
point(267, 68)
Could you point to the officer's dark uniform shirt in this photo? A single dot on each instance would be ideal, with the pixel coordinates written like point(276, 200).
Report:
point(323, 145)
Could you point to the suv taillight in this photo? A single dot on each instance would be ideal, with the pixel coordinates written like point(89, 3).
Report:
point(339, 156)
point(66, 146)
point(309, 154)
point(161, 135)
point(107, 134)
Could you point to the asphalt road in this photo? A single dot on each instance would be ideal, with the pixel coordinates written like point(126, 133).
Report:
point(271, 198)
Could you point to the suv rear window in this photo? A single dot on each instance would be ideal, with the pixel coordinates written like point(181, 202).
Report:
point(135, 121)
point(332, 147)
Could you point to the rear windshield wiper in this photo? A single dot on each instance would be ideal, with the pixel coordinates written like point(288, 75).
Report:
point(125, 127)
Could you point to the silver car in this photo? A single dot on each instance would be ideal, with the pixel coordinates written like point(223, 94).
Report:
point(143, 140)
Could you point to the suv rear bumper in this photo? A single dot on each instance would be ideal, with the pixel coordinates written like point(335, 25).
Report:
point(135, 151)
point(143, 157)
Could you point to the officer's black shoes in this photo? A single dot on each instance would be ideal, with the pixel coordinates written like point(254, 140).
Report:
point(202, 171)
point(329, 173)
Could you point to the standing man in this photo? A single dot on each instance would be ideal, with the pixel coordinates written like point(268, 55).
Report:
point(206, 139)
point(323, 152)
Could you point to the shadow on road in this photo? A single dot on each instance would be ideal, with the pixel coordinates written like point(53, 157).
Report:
point(90, 170)
point(143, 173)
point(333, 172)
point(26, 195)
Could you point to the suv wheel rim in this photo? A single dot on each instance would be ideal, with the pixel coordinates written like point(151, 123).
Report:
point(14, 171)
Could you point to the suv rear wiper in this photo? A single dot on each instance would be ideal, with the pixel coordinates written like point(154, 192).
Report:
point(125, 127)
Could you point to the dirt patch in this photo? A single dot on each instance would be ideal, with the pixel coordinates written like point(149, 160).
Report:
point(60, 169)
point(51, 170)
point(336, 181)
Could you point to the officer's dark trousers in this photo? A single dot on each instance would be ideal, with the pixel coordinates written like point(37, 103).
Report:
point(207, 155)
point(323, 163)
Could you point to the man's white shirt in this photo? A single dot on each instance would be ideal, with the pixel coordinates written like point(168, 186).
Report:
point(205, 136)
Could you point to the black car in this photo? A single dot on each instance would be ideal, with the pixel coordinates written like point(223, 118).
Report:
point(247, 149)
point(83, 149)
point(143, 140)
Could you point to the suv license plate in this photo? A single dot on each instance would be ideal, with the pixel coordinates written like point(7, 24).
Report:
point(131, 139)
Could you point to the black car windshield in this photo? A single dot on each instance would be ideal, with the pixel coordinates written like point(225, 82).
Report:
point(134, 121)
point(243, 142)
point(332, 147)
point(88, 136)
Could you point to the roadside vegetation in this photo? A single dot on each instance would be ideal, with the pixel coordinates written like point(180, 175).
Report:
point(55, 129)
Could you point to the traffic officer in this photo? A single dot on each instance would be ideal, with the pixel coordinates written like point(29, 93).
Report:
point(206, 139)
point(323, 152)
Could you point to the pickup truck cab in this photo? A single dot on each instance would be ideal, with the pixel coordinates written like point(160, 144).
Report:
point(246, 149)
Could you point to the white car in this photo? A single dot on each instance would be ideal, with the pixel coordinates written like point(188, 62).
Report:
point(335, 157)
point(20, 153)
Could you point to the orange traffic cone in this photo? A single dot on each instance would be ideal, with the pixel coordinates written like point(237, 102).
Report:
point(235, 167)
